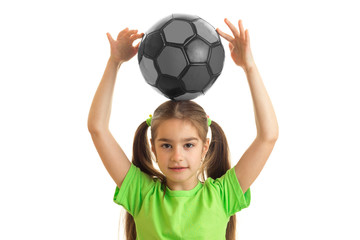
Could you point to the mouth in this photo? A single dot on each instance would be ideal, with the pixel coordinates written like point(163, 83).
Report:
point(179, 169)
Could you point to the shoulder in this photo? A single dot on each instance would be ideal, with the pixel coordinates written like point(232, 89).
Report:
point(221, 181)
point(228, 172)
point(136, 178)
point(144, 177)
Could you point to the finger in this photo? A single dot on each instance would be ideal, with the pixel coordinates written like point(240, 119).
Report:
point(224, 35)
point(241, 27)
point(131, 32)
point(247, 36)
point(136, 36)
point(232, 28)
point(124, 31)
point(109, 37)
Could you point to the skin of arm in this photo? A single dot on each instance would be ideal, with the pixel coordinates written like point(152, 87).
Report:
point(253, 160)
point(115, 161)
point(99, 115)
point(121, 51)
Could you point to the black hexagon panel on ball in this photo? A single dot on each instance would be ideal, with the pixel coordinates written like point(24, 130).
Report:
point(181, 56)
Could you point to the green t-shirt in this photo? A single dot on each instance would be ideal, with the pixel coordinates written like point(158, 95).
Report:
point(200, 213)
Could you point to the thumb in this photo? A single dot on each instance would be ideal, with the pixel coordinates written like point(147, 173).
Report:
point(109, 37)
point(231, 46)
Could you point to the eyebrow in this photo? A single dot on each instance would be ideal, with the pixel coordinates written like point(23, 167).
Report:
point(184, 139)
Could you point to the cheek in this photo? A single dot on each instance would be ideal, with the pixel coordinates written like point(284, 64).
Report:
point(161, 155)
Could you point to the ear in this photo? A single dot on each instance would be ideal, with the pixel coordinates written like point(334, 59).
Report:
point(206, 146)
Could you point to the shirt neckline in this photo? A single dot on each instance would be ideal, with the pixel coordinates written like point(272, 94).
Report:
point(183, 193)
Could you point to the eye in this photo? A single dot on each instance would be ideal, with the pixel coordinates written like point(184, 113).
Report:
point(189, 145)
point(166, 146)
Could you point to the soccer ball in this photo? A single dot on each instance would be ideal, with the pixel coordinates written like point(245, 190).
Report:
point(181, 56)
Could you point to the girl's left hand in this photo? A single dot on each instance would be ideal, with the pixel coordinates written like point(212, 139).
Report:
point(122, 49)
point(239, 45)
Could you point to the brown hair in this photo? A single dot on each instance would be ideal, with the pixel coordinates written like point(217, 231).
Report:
point(216, 161)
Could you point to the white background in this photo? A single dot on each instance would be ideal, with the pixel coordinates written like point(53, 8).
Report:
point(52, 57)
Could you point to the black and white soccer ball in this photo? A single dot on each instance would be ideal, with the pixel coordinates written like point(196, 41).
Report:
point(181, 56)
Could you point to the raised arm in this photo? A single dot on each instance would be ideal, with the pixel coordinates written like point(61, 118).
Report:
point(111, 154)
point(253, 160)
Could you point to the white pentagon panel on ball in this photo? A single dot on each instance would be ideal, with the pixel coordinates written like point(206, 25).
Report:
point(148, 70)
point(205, 30)
point(196, 78)
point(197, 51)
point(171, 61)
point(178, 31)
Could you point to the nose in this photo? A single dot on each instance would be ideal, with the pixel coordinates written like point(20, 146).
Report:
point(177, 154)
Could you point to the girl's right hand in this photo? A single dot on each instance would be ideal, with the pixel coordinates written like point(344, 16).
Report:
point(239, 45)
point(122, 49)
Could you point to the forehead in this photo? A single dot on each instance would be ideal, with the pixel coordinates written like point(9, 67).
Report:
point(176, 129)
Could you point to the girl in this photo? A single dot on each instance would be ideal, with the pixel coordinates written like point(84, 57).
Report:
point(174, 203)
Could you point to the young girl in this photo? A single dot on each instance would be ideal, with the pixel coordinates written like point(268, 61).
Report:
point(174, 203)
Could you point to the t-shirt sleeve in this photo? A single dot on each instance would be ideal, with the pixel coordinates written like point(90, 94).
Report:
point(232, 196)
point(133, 189)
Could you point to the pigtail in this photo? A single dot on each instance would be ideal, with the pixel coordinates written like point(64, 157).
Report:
point(142, 154)
point(130, 228)
point(141, 158)
point(218, 153)
point(217, 163)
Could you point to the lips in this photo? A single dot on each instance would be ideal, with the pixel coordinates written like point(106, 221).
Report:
point(178, 169)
